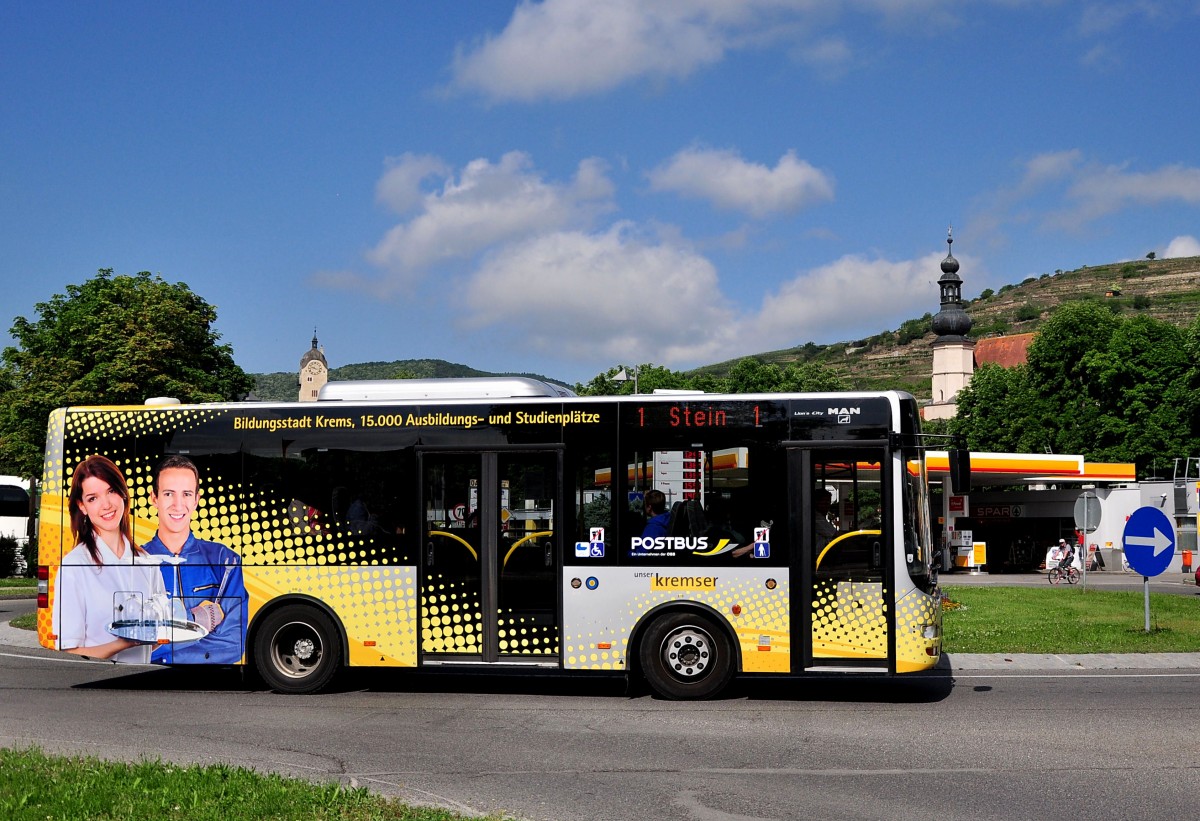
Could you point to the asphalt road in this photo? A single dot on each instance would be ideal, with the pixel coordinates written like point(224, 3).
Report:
point(964, 743)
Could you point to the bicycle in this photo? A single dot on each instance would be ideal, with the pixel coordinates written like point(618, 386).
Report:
point(1057, 574)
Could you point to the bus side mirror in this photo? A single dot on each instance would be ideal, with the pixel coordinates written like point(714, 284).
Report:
point(960, 471)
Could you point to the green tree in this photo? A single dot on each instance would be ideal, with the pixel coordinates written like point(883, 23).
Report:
point(112, 340)
point(753, 376)
point(1107, 387)
point(996, 412)
point(649, 378)
point(749, 375)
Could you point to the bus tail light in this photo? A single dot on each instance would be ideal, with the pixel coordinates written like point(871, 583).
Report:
point(43, 587)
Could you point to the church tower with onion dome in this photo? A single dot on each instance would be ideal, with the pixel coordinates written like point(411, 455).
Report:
point(953, 352)
point(314, 372)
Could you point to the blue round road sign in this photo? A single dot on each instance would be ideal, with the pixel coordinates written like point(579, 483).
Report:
point(1149, 541)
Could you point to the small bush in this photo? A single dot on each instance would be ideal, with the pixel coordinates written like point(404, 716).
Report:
point(30, 550)
point(1027, 312)
point(8, 556)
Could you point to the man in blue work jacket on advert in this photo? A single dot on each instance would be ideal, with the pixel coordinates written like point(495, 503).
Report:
point(206, 577)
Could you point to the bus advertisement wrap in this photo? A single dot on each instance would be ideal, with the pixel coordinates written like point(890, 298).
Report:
point(782, 534)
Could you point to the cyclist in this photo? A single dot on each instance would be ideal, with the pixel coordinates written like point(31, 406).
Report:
point(1066, 554)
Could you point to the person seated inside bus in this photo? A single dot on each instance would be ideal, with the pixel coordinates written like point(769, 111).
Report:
point(358, 515)
point(657, 517)
point(824, 530)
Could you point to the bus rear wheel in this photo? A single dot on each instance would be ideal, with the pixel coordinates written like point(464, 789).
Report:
point(297, 649)
point(686, 656)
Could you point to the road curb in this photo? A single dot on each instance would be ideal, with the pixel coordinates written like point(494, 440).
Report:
point(1064, 662)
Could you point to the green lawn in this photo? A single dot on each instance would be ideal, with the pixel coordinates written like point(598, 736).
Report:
point(36, 787)
point(18, 588)
point(1067, 620)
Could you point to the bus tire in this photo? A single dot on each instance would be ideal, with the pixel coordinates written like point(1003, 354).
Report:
point(297, 649)
point(686, 656)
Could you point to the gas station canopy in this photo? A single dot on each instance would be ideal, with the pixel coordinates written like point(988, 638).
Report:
point(988, 469)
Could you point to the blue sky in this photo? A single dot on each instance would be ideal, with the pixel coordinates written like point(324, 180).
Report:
point(563, 186)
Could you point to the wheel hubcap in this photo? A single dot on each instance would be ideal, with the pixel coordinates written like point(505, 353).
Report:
point(687, 652)
point(296, 650)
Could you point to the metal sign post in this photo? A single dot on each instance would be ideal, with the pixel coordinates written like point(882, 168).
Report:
point(1149, 544)
point(1087, 519)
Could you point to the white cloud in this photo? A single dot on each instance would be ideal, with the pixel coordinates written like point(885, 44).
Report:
point(828, 53)
point(1185, 246)
point(1099, 191)
point(560, 49)
point(486, 205)
point(849, 297)
point(1049, 167)
point(618, 296)
point(603, 297)
point(1103, 18)
point(726, 180)
point(400, 186)
point(1064, 190)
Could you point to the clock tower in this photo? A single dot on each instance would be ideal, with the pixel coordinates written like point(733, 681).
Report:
point(314, 372)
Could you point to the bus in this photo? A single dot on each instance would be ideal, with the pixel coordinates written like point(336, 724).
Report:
point(501, 524)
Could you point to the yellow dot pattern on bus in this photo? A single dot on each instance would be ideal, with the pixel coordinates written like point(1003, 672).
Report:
point(283, 549)
point(849, 620)
point(521, 634)
point(450, 621)
point(762, 627)
point(914, 613)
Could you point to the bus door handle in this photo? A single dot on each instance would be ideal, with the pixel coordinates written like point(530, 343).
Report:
point(549, 548)
point(429, 555)
point(876, 555)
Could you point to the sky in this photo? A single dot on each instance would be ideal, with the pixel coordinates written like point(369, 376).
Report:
point(564, 186)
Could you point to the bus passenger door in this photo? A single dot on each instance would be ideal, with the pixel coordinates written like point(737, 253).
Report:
point(489, 589)
point(845, 595)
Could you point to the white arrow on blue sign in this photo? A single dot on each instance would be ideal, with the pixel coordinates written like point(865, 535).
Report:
point(1149, 541)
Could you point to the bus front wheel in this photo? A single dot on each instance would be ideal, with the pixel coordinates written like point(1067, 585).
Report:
point(686, 656)
point(297, 650)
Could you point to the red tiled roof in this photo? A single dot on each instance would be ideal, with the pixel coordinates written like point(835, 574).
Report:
point(1005, 351)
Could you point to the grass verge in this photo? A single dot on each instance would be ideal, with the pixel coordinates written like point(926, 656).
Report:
point(26, 622)
point(39, 786)
point(1066, 620)
point(18, 588)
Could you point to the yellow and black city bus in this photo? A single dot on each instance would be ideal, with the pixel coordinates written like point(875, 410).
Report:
point(502, 524)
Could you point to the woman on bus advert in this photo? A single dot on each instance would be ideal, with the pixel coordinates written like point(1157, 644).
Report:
point(102, 586)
